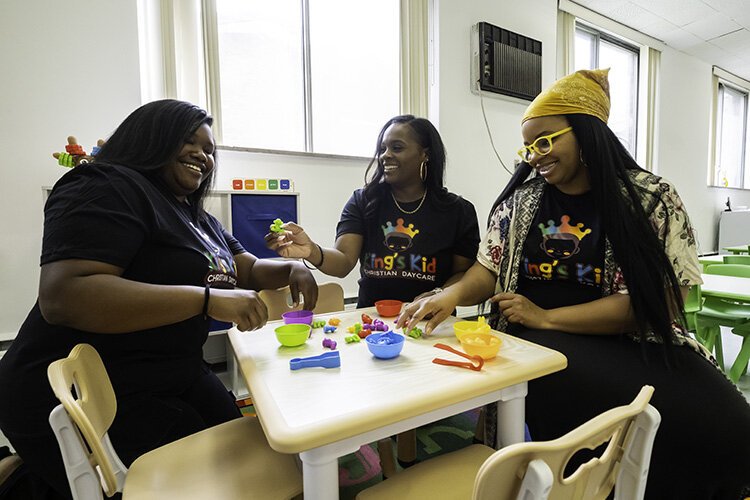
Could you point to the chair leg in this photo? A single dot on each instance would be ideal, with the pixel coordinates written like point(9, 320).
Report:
point(739, 367)
point(406, 444)
point(479, 431)
point(387, 463)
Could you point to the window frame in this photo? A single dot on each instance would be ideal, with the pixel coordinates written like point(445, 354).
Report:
point(599, 35)
point(724, 81)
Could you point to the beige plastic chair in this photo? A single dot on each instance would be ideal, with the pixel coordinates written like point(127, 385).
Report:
point(279, 301)
point(534, 470)
point(229, 461)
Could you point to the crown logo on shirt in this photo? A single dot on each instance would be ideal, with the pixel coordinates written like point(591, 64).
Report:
point(400, 228)
point(564, 227)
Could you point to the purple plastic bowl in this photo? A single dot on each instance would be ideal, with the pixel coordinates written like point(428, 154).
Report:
point(298, 317)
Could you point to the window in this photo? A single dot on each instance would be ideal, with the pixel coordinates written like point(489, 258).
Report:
point(596, 49)
point(313, 76)
point(318, 76)
point(731, 163)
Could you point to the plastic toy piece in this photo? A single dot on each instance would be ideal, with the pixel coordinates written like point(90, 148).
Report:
point(352, 338)
point(366, 319)
point(476, 366)
point(414, 333)
point(329, 329)
point(325, 360)
point(320, 323)
point(355, 328)
point(74, 154)
point(334, 322)
point(276, 226)
point(364, 332)
point(329, 343)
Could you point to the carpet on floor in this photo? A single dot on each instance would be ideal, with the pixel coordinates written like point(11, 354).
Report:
point(361, 469)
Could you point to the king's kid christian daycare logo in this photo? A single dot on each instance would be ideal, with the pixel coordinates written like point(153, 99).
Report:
point(400, 264)
point(561, 243)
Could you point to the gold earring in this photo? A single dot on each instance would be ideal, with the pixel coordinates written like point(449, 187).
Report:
point(423, 171)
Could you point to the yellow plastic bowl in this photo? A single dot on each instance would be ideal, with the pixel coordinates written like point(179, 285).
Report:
point(462, 328)
point(293, 334)
point(485, 345)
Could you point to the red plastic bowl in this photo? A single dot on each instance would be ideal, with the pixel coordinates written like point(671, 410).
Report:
point(388, 308)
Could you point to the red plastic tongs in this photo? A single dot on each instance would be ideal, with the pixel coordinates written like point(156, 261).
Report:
point(477, 364)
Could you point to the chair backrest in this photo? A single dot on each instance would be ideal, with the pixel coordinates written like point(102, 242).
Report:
point(536, 469)
point(330, 299)
point(738, 270)
point(82, 420)
point(694, 300)
point(737, 259)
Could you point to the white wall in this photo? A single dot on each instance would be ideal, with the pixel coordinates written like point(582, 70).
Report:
point(68, 68)
point(72, 68)
point(473, 169)
point(683, 139)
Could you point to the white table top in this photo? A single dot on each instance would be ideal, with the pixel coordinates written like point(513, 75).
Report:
point(728, 287)
point(312, 407)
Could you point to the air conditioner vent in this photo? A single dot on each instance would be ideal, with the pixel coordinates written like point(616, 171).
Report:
point(508, 63)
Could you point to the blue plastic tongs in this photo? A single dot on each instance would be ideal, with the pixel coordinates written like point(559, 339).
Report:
point(325, 360)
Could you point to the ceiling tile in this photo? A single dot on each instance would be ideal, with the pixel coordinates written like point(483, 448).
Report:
point(680, 39)
point(735, 42)
point(679, 12)
point(712, 26)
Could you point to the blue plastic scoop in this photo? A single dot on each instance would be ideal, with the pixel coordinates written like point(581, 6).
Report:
point(325, 360)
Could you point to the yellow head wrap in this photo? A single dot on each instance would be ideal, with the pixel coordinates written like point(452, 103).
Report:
point(585, 91)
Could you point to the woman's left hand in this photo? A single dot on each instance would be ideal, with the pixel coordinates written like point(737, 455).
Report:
point(302, 280)
point(519, 309)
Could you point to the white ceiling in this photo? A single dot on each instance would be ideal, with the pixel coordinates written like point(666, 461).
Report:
point(715, 31)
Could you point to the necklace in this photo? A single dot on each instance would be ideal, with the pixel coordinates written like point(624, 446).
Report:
point(407, 212)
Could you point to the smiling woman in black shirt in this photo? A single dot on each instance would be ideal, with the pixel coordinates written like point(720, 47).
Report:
point(133, 265)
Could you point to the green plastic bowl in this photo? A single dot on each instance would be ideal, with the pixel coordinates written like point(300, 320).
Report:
point(292, 335)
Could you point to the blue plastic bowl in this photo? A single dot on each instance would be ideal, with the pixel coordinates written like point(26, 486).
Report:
point(385, 345)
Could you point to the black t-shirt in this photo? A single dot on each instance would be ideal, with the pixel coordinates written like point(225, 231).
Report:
point(563, 255)
point(403, 254)
point(116, 215)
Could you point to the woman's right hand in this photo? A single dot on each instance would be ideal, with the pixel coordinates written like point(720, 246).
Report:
point(440, 306)
point(239, 306)
point(293, 242)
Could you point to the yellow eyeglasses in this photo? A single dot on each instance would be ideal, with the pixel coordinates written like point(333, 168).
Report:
point(541, 146)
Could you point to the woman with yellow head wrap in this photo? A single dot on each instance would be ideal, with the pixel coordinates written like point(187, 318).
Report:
point(593, 256)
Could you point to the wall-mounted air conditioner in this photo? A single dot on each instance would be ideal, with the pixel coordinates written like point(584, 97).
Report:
point(504, 62)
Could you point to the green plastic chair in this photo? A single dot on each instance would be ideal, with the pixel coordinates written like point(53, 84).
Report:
point(693, 304)
point(737, 259)
point(717, 312)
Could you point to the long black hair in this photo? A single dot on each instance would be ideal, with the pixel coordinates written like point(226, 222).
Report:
point(653, 287)
point(152, 136)
point(428, 137)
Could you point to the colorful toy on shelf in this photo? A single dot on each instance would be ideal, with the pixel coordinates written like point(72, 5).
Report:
point(334, 321)
point(318, 323)
point(329, 343)
point(325, 360)
point(329, 329)
point(352, 338)
point(276, 226)
point(74, 154)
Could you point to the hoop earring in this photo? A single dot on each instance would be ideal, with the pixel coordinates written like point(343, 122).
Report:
point(423, 171)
